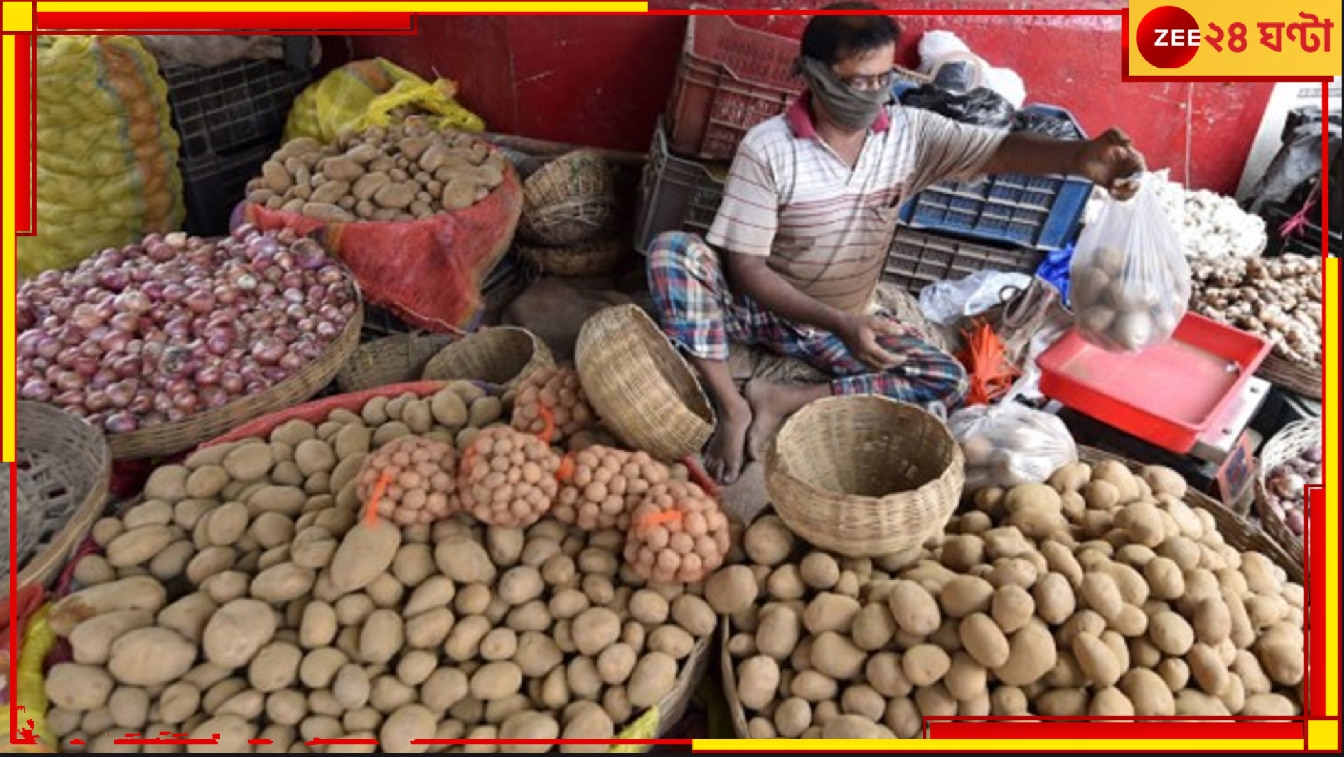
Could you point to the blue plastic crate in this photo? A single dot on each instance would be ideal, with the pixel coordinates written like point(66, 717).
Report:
point(1036, 212)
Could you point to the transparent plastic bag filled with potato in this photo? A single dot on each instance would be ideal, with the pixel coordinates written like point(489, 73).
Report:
point(1010, 444)
point(1129, 282)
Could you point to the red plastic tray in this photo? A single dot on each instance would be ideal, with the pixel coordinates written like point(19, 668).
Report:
point(1168, 395)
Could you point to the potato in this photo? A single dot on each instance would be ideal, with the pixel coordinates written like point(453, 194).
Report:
point(595, 629)
point(496, 680)
point(1031, 654)
point(1174, 672)
point(653, 677)
point(1148, 692)
point(925, 664)
point(964, 595)
point(1171, 633)
point(965, 678)
point(1054, 599)
point(1062, 703)
point(873, 627)
point(444, 688)
point(150, 657)
point(731, 590)
point(92, 639)
point(819, 571)
point(237, 631)
point(694, 614)
point(837, 657)
point(852, 727)
point(1096, 660)
point(528, 725)
point(381, 637)
point(884, 673)
point(282, 583)
point(1008, 701)
point(1282, 661)
point(1011, 607)
point(464, 561)
point(78, 687)
point(366, 552)
point(406, 724)
point(1110, 702)
point(984, 640)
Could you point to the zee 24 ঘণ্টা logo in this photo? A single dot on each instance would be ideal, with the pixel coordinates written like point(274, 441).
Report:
point(1169, 37)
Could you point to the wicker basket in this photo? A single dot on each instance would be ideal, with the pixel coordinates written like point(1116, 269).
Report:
point(864, 475)
point(63, 468)
point(1295, 377)
point(390, 360)
point(501, 355)
point(171, 438)
point(645, 393)
point(571, 200)
point(596, 259)
point(1283, 446)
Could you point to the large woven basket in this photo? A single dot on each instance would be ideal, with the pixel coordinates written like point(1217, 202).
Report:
point(864, 475)
point(1295, 377)
point(62, 469)
point(500, 355)
point(390, 360)
point(171, 438)
point(645, 393)
point(594, 259)
point(571, 200)
point(1282, 447)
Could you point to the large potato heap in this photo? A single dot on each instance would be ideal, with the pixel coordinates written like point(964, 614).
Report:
point(413, 479)
point(677, 533)
point(507, 478)
point(246, 597)
point(551, 401)
point(1102, 593)
point(600, 485)
point(403, 172)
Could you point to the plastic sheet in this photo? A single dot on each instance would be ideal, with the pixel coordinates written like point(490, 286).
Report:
point(1010, 444)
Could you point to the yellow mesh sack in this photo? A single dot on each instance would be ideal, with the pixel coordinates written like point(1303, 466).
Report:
point(365, 93)
point(107, 170)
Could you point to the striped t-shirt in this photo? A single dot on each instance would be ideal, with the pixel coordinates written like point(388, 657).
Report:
point(826, 227)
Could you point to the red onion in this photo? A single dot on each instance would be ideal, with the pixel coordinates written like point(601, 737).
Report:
point(231, 382)
point(208, 375)
point(127, 367)
point(85, 366)
point(268, 350)
point(120, 423)
point(327, 330)
point(36, 389)
point(48, 347)
point(225, 294)
point(71, 398)
point(97, 401)
point(142, 403)
point(125, 322)
point(200, 302)
point(133, 302)
point(186, 401)
point(114, 341)
point(27, 343)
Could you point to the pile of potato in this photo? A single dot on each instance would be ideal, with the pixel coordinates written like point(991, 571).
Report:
point(601, 485)
point(1276, 298)
point(403, 172)
point(245, 596)
point(552, 400)
point(1099, 593)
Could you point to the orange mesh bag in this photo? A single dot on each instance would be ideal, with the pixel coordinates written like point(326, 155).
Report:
point(600, 485)
point(677, 534)
point(507, 478)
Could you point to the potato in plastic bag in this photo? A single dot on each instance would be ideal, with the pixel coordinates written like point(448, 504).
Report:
point(1010, 444)
point(1129, 282)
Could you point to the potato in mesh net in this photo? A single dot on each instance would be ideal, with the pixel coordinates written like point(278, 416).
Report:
point(412, 478)
point(550, 404)
point(507, 478)
point(677, 533)
point(600, 485)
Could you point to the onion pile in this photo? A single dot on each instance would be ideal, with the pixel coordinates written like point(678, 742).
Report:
point(1285, 487)
point(175, 325)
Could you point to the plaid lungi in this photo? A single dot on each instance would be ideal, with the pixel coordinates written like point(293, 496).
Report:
point(702, 316)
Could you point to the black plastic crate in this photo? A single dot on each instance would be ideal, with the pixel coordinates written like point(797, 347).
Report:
point(212, 187)
point(919, 258)
point(222, 110)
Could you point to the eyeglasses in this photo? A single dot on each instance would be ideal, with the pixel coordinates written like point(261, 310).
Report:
point(870, 83)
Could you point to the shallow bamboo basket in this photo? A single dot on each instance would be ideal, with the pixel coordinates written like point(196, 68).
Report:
point(594, 259)
point(570, 200)
point(500, 355)
point(391, 359)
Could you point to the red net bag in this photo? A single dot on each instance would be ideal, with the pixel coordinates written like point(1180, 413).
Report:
point(507, 478)
point(677, 533)
point(600, 485)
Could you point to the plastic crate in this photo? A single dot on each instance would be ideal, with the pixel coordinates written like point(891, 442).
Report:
point(676, 194)
point(222, 110)
point(730, 79)
point(213, 186)
point(919, 258)
point(1038, 212)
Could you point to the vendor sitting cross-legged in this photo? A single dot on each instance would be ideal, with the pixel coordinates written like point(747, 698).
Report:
point(795, 254)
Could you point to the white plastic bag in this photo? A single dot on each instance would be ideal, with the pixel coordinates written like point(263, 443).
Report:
point(1010, 444)
point(1129, 282)
point(947, 302)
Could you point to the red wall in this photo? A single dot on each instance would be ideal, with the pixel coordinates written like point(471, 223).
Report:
point(603, 81)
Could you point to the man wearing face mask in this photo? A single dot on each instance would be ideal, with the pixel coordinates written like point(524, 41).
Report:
point(795, 254)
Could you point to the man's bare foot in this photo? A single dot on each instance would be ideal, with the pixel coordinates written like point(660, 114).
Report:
point(771, 404)
point(726, 450)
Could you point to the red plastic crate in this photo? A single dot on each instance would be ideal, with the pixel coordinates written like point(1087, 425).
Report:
point(730, 79)
point(1168, 395)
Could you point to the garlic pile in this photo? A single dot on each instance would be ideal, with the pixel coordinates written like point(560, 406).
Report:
point(1209, 224)
point(1276, 298)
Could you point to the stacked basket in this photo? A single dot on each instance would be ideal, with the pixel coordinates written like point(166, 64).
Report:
point(569, 212)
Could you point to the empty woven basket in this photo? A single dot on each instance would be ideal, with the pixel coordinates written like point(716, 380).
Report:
point(593, 259)
point(392, 359)
point(502, 355)
point(864, 475)
point(571, 200)
point(645, 393)
point(63, 467)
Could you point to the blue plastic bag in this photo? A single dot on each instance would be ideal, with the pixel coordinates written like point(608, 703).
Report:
point(1055, 269)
